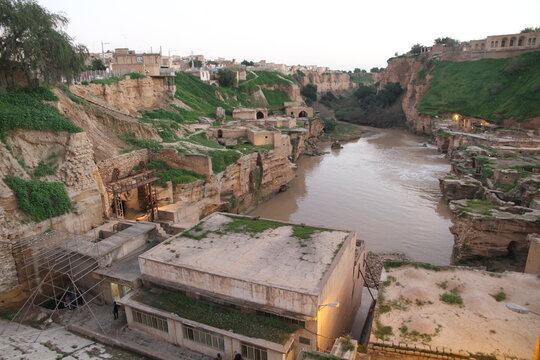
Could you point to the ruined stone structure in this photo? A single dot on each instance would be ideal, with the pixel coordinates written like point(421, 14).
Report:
point(316, 288)
point(298, 109)
point(126, 61)
point(250, 113)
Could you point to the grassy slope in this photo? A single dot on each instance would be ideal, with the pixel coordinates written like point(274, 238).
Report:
point(492, 89)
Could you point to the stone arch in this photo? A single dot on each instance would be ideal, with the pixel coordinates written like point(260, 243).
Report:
point(503, 42)
point(260, 115)
point(513, 41)
point(521, 41)
point(302, 114)
point(482, 46)
point(220, 133)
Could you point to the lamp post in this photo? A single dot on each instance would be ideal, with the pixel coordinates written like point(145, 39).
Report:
point(103, 51)
point(520, 309)
point(334, 304)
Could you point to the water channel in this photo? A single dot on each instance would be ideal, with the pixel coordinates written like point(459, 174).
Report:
point(384, 186)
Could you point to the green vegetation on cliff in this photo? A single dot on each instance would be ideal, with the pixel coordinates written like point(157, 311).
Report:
point(492, 89)
point(275, 97)
point(176, 176)
point(26, 110)
point(39, 199)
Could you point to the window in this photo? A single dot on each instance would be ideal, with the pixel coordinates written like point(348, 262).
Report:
point(139, 59)
point(150, 320)
point(203, 337)
point(304, 340)
point(253, 352)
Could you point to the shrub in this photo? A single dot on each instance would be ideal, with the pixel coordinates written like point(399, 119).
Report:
point(226, 77)
point(136, 75)
point(329, 124)
point(176, 176)
point(151, 145)
point(43, 169)
point(500, 296)
point(41, 200)
point(451, 298)
point(309, 92)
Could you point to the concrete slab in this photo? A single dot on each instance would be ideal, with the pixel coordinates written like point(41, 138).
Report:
point(273, 257)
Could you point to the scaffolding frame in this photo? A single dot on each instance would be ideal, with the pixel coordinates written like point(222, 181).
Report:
point(119, 185)
point(52, 267)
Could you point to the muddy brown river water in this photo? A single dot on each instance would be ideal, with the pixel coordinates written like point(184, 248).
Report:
point(384, 186)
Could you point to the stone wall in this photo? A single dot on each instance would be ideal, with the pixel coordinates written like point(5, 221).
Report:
point(125, 163)
point(201, 164)
point(334, 82)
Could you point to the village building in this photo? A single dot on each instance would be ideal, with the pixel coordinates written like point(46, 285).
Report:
point(250, 113)
point(126, 61)
point(297, 109)
point(260, 288)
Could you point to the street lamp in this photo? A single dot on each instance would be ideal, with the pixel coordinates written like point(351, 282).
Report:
point(520, 309)
point(334, 304)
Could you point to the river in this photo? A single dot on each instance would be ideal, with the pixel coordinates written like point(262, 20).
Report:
point(384, 186)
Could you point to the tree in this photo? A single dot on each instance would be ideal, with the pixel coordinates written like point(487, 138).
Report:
point(226, 77)
point(530, 29)
point(97, 64)
point(309, 92)
point(448, 41)
point(416, 49)
point(374, 70)
point(32, 41)
point(196, 63)
point(247, 63)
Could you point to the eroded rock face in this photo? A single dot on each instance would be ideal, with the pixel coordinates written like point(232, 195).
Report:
point(131, 95)
point(502, 231)
point(333, 82)
point(406, 72)
point(457, 189)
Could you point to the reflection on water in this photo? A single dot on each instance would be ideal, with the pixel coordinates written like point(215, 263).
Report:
point(384, 186)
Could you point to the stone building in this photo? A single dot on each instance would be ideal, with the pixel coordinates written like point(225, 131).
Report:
point(257, 287)
point(126, 61)
point(250, 113)
point(298, 109)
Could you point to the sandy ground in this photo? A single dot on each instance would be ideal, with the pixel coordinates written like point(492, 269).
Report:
point(53, 343)
point(480, 325)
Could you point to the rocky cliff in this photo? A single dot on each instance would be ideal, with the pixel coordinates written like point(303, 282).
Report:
point(407, 72)
point(333, 82)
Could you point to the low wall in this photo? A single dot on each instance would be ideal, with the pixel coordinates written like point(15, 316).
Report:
point(201, 164)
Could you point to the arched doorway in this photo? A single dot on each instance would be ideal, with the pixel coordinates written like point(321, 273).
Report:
point(220, 133)
point(302, 114)
point(512, 249)
point(260, 115)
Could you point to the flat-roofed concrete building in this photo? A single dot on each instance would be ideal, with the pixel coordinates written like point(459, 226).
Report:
point(262, 288)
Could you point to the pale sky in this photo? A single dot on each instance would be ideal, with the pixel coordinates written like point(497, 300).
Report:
point(340, 34)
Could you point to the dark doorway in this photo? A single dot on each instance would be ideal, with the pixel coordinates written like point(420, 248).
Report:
point(260, 115)
point(302, 114)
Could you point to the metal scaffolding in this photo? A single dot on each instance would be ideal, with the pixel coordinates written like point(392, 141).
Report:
point(55, 269)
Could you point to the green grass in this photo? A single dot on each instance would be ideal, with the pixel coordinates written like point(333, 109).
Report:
point(43, 169)
point(152, 145)
point(275, 97)
point(362, 78)
point(135, 75)
point(41, 200)
point(382, 332)
point(222, 159)
point(202, 139)
point(451, 298)
point(389, 264)
point(268, 78)
point(163, 114)
point(249, 148)
point(318, 356)
point(480, 207)
point(218, 316)
point(177, 176)
point(492, 89)
point(25, 110)
point(109, 81)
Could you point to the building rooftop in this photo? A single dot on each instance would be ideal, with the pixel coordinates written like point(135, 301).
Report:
point(261, 251)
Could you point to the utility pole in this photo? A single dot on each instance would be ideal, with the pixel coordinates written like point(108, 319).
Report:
point(103, 50)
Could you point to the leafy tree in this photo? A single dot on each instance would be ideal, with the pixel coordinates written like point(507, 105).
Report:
point(226, 77)
point(357, 70)
point(97, 64)
point(530, 29)
point(328, 98)
point(448, 41)
point(212, 62)
point(196, 63)
point(247, 63)
point(309, 92)
point(416, 49)
point(363, 91)
point(32, 41)
point(374, 70)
